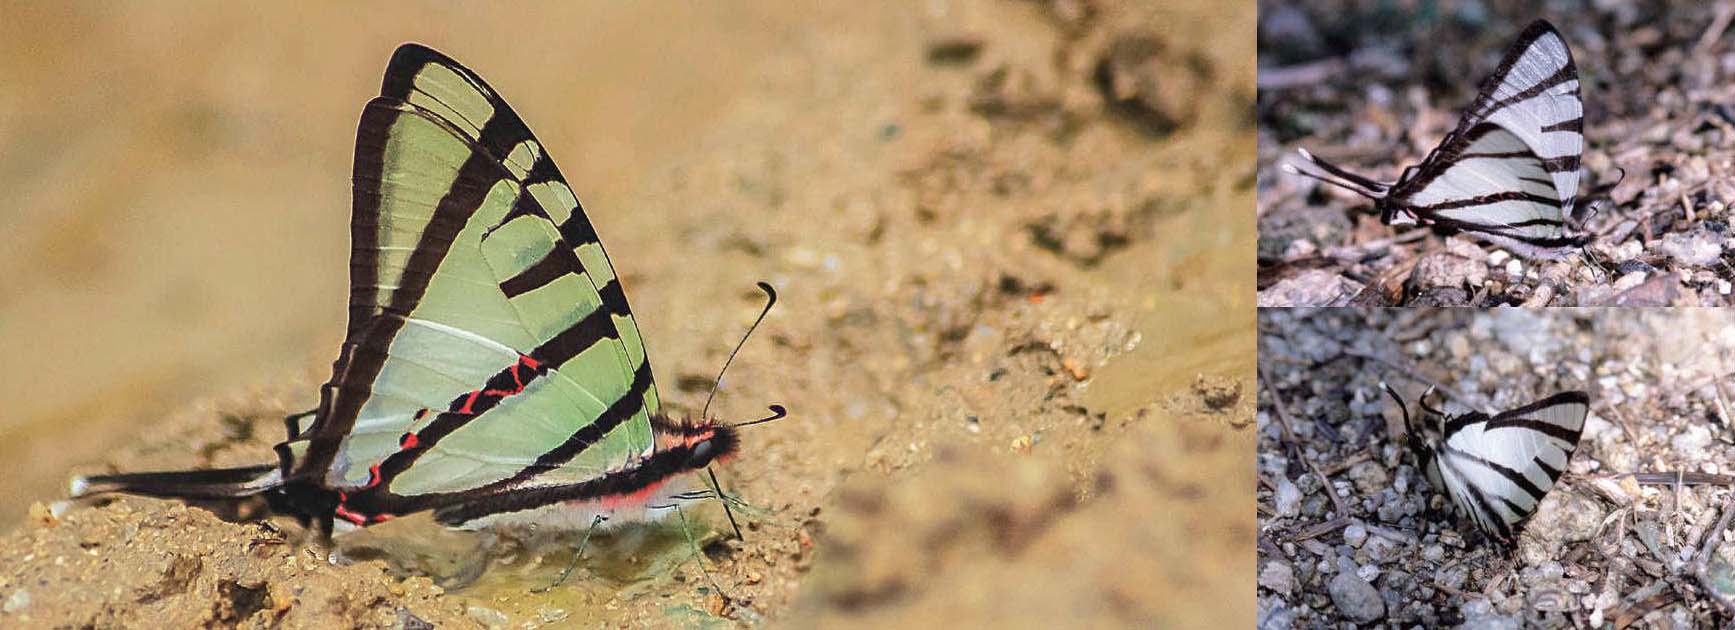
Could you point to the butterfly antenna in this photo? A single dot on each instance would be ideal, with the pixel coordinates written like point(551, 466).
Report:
point(1403, 407)
point(777, 413)
point(770, 299)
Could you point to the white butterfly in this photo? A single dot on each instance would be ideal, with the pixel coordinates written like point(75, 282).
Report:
point(1509, 172)
point(1497, 468)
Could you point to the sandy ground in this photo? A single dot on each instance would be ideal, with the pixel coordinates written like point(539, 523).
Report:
point(1605, 549)
point(1015, 336)
point(1375, 86)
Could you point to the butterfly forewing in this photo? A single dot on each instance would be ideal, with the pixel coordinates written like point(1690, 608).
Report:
point(1537, 98)
point(490, 343)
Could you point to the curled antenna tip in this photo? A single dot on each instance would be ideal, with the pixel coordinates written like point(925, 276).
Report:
point(777, 413)
point(1290, 168)
point(1304, 153)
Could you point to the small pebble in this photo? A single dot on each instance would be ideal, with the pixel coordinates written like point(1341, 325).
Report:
point(1356, 599)
point(1288, 499)
point(1077, 371)
point(17, 601)
point(1355, 535)
point(1278, 577)
point(487, 616)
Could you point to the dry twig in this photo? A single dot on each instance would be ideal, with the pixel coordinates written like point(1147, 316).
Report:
point(1702, 564)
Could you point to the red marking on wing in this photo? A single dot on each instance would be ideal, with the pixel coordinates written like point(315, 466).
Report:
point(345, 514)
point(635, 498)
point(409, 440)
point(469, 402)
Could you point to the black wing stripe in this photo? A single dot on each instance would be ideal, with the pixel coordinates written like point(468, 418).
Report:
point(558, 262)
point(1491, 198)
point(1517, 478)
point(614, 299)
point(1562, 164)
point(1549, 429)
point(577, 338)
point(1479, 501)
point(1562, 398)
point(1575, 125)
point(1565, 73)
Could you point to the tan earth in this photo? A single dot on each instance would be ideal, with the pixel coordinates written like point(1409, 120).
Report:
point(1012, 241)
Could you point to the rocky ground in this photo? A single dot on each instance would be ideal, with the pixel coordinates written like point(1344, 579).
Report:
point(1014, 339)
point(1617, 542)
point(1374, 90)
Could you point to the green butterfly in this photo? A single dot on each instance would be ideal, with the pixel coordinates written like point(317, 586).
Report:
point(492, 371)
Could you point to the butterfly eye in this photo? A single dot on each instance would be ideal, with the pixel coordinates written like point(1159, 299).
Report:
point(701, 454)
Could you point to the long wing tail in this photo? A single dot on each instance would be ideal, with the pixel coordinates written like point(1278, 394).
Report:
point(1307, 165)
point(217, 483)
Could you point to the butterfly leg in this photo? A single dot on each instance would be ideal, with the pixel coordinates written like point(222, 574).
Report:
point(698, 554)
point(582, 543)
point(725, 499)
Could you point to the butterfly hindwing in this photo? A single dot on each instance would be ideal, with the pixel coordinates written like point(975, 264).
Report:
point(1493, 185)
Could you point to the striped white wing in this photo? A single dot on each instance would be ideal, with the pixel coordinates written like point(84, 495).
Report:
point(1535, 96)
point(1497, 469)
point(1509, 172)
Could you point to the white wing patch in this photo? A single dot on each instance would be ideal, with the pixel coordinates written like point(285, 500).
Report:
point(1497, 469)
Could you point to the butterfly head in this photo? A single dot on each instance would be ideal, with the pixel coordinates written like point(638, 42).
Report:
point(700, 442)
point(1393, 212)
point(1421, 431)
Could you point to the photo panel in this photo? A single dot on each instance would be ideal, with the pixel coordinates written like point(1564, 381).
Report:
point(1485, 153)
point(1495, 468)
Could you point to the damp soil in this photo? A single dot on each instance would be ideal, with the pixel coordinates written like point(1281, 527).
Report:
point(1014, 336)
point(1373, 88)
